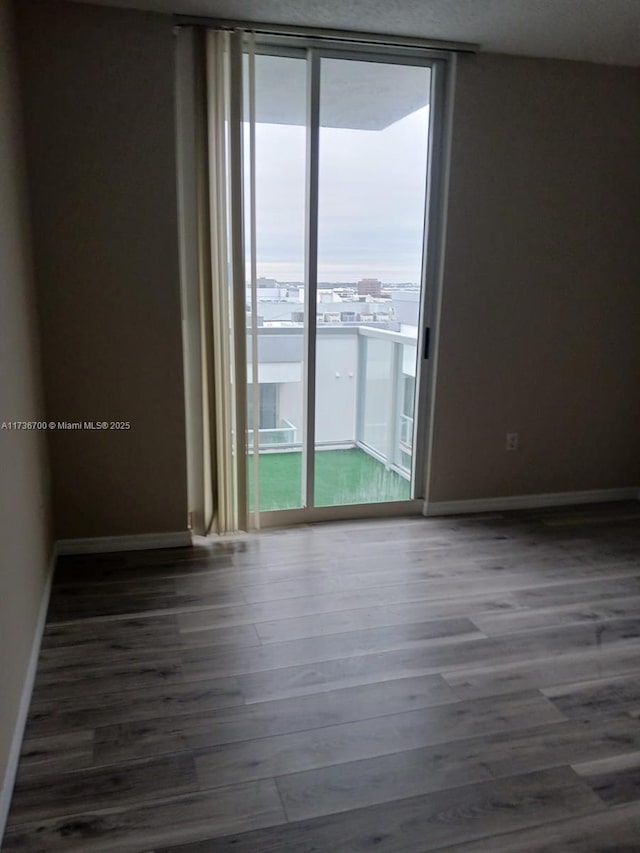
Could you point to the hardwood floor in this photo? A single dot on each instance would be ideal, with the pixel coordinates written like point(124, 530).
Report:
point(469, 685)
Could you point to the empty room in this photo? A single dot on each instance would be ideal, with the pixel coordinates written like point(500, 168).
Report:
point(319, 406)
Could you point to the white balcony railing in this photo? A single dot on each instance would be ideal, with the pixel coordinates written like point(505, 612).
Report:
point(406, 433)
point(285, 434)
point(369, 412)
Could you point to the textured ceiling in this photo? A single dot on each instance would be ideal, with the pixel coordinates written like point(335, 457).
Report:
point(606, 31)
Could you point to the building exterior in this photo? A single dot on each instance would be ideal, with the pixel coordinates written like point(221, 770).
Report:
point(365, 376)
point(370, 287)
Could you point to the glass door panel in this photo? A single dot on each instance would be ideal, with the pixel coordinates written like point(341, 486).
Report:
point(275, 390)
point(373, 142)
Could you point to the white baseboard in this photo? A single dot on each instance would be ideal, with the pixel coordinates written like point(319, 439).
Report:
point(134, 542)
point(25, 700)
point(529, 501)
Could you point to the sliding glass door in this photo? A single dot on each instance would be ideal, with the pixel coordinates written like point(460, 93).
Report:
point(373, 143)
point(276, 291)
point(336, 174)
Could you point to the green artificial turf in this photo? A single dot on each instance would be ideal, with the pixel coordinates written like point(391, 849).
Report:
point(342, 477)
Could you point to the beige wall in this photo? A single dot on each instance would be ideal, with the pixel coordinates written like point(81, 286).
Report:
point(25, 541)
point(540, 330)
point(98, 89)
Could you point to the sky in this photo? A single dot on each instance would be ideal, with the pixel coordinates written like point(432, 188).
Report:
point(371, 201)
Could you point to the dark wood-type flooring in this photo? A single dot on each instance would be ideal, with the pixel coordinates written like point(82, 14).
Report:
point(457, 684)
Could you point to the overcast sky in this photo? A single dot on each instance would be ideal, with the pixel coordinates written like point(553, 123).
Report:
point(371, 211)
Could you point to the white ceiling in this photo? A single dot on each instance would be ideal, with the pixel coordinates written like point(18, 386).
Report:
point(606, 31)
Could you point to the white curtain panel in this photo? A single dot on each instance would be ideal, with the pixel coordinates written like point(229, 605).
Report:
point(210, 168)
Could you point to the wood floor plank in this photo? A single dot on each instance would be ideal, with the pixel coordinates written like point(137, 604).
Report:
point(618, 582)
point(203, 661)
point(156, 632)
point(496, 624)
point(605, 695)
point(342, 787)
point(534, 552)
point(110, 643)
point(123, 565)
point(616, 779)
point(477, 581)
point(421, 824)
point(54, 685)
point(123, 588)
point(468, 656)
point(613, 831)
point(304, 680)
point(367, 782)
point(101, 787)
point(510, 609)
point(76, 665)
point(301, 627)
point(208, 581)
point(574, 637)
point(129, 740)
point(51, 755)
point(96, 605)
point(614, 584)
point(543, 672)
point(87, 711)
point(290, 753)
point(241, 808)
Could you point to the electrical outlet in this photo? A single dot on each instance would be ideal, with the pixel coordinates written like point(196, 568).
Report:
point(513, 441)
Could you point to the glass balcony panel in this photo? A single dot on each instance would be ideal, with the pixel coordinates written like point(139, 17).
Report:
point(377, 395)
point(276, 409)
point(406, 400)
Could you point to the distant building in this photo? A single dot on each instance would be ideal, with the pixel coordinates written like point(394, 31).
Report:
point(406, 309)
point(370, 287)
